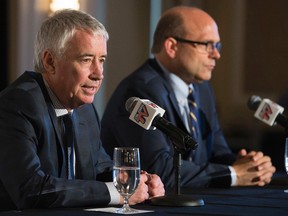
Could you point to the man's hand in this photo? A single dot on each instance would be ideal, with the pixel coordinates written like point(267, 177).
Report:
point(141, 194)
point(253, 168)
point(150, 185)
point(155, 185)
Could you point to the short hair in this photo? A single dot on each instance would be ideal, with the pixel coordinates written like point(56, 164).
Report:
point(170, 25)
point(58, 29)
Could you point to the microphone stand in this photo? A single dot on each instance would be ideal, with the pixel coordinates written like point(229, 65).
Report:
point(177, 199)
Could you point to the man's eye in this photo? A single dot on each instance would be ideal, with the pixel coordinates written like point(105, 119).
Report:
point(102, 60)
point(87, 60)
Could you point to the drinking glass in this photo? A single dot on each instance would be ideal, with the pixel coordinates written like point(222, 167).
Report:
point(126, 174)
point(286, 159)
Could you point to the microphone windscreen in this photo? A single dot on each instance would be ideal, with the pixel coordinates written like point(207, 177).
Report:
point(254, 102)
point(130, 103)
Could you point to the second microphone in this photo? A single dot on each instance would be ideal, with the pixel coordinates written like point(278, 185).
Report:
point(149, 115)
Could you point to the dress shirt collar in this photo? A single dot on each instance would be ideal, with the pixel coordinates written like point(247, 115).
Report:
point(180, 88)
point(58, 107)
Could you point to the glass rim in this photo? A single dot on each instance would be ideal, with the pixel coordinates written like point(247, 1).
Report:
point(126, 148)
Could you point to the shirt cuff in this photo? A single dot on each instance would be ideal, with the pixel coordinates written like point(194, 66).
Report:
point(114, 195)
point(233, 176)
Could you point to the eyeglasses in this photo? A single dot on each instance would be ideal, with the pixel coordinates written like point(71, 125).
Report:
point(208, 47)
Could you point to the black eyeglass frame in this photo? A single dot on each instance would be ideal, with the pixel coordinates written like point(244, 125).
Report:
point(217, 45)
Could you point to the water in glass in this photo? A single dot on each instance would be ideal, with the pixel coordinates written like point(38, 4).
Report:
point(126, 174)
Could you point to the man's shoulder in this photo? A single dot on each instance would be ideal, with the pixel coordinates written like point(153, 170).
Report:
point(24, 87)
point(147, 74)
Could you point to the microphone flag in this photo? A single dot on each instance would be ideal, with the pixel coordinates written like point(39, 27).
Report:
point(268, 111)
point(144, 113)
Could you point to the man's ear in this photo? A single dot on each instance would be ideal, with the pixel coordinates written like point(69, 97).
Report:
point(48, 60)
point(170, 46)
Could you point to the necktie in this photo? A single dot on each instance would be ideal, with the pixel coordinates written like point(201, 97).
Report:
point(69, 139)
point(193, 113)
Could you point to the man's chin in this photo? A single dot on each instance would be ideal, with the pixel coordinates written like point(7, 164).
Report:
point(204, 78)
point(86, 100)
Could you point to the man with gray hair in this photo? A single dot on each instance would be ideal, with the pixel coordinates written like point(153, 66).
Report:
point(39, 168)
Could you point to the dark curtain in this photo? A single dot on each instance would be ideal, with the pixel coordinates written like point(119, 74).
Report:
point(4, 31)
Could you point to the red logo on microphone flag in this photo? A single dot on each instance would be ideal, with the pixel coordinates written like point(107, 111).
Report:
point(142, 112)
point(265, 112)
point(153, 105)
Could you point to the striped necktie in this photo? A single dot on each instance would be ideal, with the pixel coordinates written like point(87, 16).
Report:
point(69, 139)
point(193, 113)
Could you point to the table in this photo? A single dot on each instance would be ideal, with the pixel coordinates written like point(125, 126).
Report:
point(268, 200)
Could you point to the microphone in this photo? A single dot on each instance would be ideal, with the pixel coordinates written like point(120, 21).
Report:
point(267, 111)
point(149, 116)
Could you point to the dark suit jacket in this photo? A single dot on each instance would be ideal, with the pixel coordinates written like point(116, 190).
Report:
point(212, 155)
point(32, 158)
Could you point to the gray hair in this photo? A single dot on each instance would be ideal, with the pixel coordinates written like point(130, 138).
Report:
point(58, 29)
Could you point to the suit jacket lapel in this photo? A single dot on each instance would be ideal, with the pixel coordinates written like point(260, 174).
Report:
point(61, 152)
point(62, 167)
point(179, 119)
point(84, 160)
